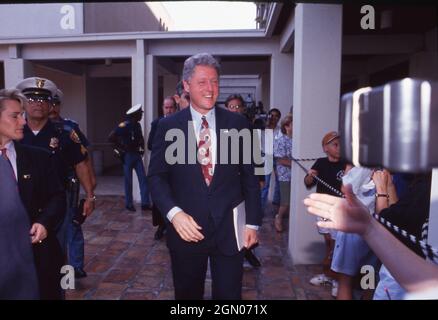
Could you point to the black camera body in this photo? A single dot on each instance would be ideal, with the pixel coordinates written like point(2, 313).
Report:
point(393, 126)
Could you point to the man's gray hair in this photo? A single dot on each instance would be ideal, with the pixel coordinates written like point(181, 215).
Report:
point(12, 94)
point(200, 59)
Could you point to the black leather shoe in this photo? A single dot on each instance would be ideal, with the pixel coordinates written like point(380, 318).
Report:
point(130, 208)
point(159, 233)
point(80, 273)
point(146, 207)
point(252, 259)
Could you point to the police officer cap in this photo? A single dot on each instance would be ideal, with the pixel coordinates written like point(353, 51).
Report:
point(37, 86)
point(134, 109)
point(57, 98)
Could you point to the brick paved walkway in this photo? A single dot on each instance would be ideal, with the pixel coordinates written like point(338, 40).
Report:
point(123, 261)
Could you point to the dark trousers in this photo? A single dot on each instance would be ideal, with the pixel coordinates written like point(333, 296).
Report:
point(189, 272)
point(157, 218)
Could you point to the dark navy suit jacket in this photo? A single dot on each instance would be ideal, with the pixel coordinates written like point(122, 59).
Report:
point(183, 185)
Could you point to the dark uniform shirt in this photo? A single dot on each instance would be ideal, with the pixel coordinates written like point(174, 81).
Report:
point(129, 137)
point(411, 212)
point(331, 173)
point(62, 143)
point(73, 125)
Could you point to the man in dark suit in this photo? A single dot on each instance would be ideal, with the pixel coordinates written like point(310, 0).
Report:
point(32, 205)
point(168, 107)
point(198, 198)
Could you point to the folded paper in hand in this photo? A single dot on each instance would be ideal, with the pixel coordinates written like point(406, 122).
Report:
point(239, 219)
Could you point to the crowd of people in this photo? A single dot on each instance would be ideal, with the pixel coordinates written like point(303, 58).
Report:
point(45, 158)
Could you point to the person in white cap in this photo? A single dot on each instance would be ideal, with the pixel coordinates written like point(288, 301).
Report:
point(64, 145)
point(75, 237)
point(128, 140)
point(55, 116)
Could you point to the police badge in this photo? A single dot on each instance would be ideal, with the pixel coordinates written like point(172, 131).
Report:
point(74, 136)
point(54, 143)
point(40, 83)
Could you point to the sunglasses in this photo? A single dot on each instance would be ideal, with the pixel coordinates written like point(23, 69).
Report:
point(232, 106)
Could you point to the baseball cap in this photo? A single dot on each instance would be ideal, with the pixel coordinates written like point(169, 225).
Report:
point(329, 137)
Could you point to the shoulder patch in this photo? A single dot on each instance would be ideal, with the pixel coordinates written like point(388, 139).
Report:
point(122, 124)
point(74, 136)
point(74, 123)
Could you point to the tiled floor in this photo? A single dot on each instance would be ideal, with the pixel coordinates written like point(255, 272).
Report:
point(123, 261)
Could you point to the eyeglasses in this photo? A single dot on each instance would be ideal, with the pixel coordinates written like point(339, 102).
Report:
point(232, 106)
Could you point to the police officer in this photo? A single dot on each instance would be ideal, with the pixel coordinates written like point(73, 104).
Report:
point(69, 124)
point(75, 236)
point(63, 143)
point(128, 140)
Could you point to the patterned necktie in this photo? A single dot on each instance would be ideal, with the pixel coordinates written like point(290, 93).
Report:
point(204, 152)
point(5, 157)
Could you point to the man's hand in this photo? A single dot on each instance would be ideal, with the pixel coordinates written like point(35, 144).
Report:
point(380, 178)
point(251, 237)
point(88, 207)
point(38, 233)
point(308, 179)
point(187, 227)
point(345, 214)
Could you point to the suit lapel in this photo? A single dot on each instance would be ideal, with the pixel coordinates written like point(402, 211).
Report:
point(221, 123)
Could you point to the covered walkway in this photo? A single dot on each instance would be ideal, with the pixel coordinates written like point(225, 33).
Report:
point(123, 261)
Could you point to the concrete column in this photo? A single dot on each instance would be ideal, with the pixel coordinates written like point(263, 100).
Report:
point(265, 91)
point(151, 96)
point(16, 69)
point(281, 76)
point(138, 79)
point(433, 213)
point(317, 75)
point(259, 86)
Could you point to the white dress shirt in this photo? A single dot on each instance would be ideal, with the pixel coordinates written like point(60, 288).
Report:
point(197, 125)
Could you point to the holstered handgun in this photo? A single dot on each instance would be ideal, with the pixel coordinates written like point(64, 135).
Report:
point(73, 192)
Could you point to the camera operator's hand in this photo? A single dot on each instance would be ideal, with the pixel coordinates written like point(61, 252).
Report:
point(345, 214)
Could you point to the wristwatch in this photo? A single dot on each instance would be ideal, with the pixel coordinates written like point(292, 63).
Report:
point(92, 198)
